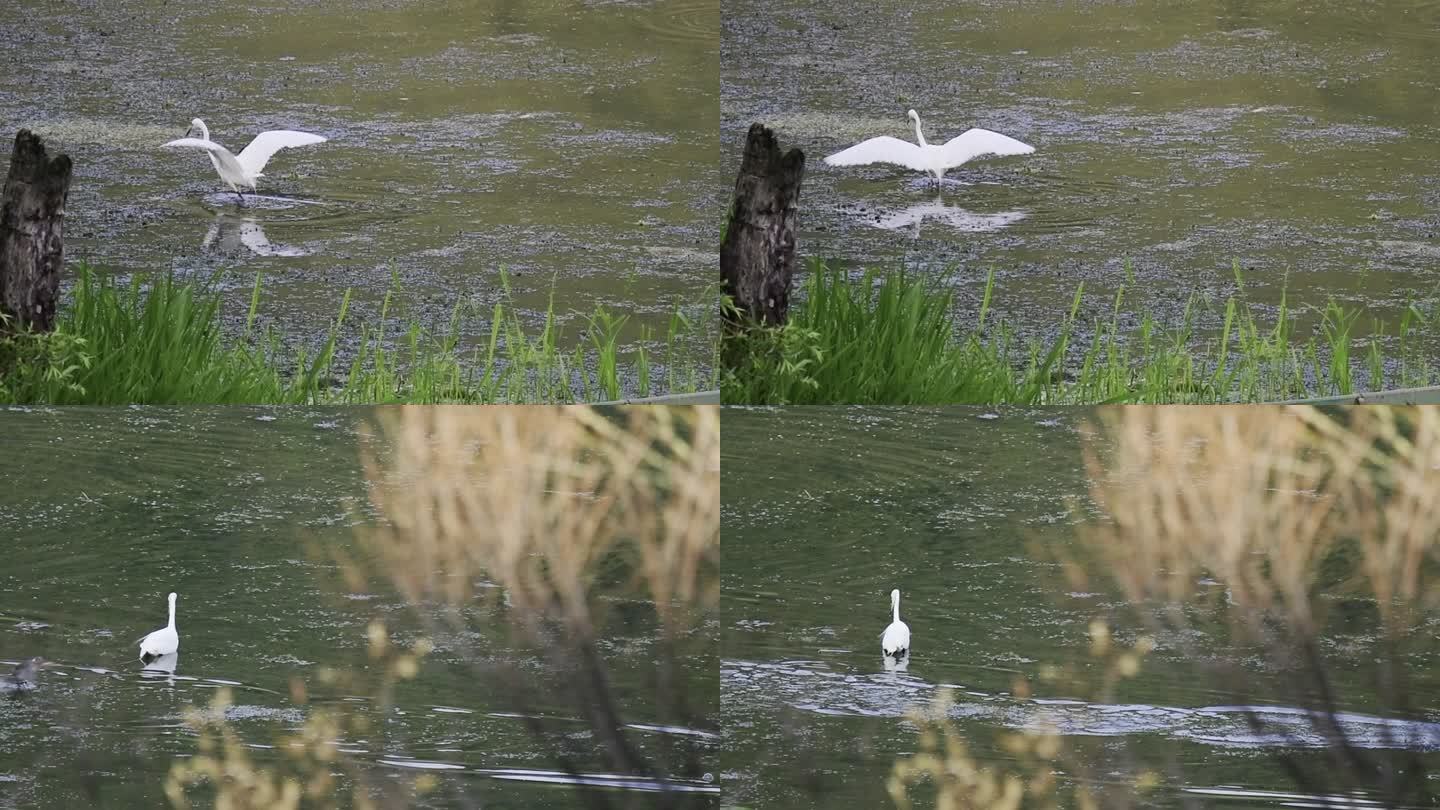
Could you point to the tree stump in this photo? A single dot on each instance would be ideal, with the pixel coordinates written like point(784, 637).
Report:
point(757, 257)
point(32, 231)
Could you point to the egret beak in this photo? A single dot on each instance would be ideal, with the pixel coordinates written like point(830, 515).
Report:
point(190, 133)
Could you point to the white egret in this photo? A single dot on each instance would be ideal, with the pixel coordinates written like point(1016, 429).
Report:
point(896, 640)
point(926, 157)
point(164, 665)
point(24, 677)
point(163, 641)
point(240, 171)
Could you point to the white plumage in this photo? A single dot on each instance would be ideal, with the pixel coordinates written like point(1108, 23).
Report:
point(896, 640)
point(926, 157)
point(24, 677)
point(240, 171)
point(163, 641)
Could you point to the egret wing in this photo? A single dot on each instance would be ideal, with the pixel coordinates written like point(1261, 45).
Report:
point(883, 149)
point(222, 155)
point(197, 143)
point(257, 154)
point(897, 637)
point(973, 143)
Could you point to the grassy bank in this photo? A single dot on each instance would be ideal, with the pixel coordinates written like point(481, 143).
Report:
point(893, 338)
point(159, 340)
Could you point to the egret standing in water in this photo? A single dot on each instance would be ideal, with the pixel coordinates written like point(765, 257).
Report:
point(896, 641)
point(163, 641)
point(926, 157)
point(24, 676)
point(240, 171)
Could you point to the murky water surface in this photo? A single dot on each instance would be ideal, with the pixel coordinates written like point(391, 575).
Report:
point(243, 512)
point(828, 509)
point(1296, 140)
point(570, 143)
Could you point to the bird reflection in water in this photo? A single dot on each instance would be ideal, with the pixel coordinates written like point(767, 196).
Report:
point(231, 232)
point(162, 668)
point(948, 215)
point(893, 664)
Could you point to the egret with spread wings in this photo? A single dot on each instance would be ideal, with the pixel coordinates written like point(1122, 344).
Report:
point(240, 171)
point(927, 157)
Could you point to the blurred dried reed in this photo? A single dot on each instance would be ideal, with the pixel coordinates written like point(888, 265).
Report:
point(1241, 537)
point(537, 498)
point(1277, 505)
point(1277, 524)
point(568, 510)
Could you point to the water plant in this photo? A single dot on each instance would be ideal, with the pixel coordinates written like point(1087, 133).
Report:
point(892, 337)
point(157, 339)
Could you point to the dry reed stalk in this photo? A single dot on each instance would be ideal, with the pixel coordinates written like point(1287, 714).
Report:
point(1260, 500)
point(1268, 518)
point(536, 498)
point(554, 505)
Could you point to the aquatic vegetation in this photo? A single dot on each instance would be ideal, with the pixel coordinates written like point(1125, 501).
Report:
point(892, 338)
point(160, 340)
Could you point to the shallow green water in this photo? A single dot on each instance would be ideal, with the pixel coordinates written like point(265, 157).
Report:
point(572, 143)
point(966, 512)
point(1296, 139)
point(241, 511)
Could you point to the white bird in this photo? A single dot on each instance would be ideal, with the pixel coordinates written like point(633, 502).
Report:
point(24, 677)
point(896, 640)
point(162, 666)
point(937, 160)
point(163, 641)
point(240, 171)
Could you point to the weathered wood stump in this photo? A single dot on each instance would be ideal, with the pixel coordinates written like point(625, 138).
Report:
point(32, 235)
point(757, 257)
